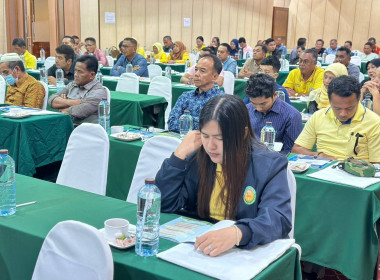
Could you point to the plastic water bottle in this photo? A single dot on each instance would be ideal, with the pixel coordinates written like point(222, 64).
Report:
point(367, 102)
point(129, 68)
point(240, 52)
point(185, 123)
point(104, 115)
point(187, 65)
point(281, 95)
point(148, 219)
point(43, 75)
point(7, 184)
point(60, 78)
point(237, 72)
point(42, 55)
point(168, 72)
point(282, 61)
point(268, 135)
point(99, 77)
point(152, 59)
point(324, 57)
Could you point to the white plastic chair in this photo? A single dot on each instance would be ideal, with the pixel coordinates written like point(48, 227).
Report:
point(245, 55)
point(46, 94)
point(129, 82)
point(162, 86)
point(319, 64)
point(193, 58)
point(3, 86)
point(356, 52)
point(85, 164)
point(108, 94)
point(74, 250)
point(229, 82)
point(293, 191)
point(356, 60)
point(110, 60)
point(361, 77)
point(152, 155)
point(154, 71)
point(330, 58)
point(49, 62)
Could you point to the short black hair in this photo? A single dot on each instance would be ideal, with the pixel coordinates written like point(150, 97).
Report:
point(320, 40)
point(313, 53)
point(260, 85)
point(344, 86)
point(227, 46)
point(67, 51)
point(13, 64)
point(75, 37)
point(71, 39)
point(334, 40)
point(272, 61)
point(369, 44)
point(218, 66)
point(91, 62)
point(242, 40)
point(345, 49)
point(269, 40)
point(91, 39)
point(301, 41)
point(20, 42)
point(208, 49)
point(132, 40)
point(120, 44)
point(200, 38)
point(349, 43)
point(263, 47)
point(372, 39)
point(167, 37)
point(217, 40)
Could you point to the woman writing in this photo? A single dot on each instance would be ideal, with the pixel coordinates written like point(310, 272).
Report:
point(178, 54)
point(159, 54)
point(222, 172)
point(234, 44)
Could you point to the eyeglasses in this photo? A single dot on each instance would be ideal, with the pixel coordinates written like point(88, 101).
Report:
point(301, 61)
point(125, 46)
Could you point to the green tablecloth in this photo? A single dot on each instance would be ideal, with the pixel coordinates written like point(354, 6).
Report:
point(40, 64)
point(106, 70)
point(22, 234)
point(240, 62)
point(176, 67)
point(335, 225)
point(35, 141)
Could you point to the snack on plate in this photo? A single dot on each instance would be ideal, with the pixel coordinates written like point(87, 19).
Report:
point(128, 135)
point(125, 241)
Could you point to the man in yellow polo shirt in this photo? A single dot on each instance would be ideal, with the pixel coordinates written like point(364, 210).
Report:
point(307, 77)
point(345, 129)
point(19, 47)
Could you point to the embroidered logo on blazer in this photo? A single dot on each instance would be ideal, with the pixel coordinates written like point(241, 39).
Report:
point(249, 195)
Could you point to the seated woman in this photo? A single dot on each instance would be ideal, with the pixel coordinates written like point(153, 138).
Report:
point(371, 69)
point(234, 44)
point(373, 87)
point(188, 78)
point(318, 98)
point(199, 41)
point(222, 172)
point(178, 54)
point(158, 53)
point(297, 58)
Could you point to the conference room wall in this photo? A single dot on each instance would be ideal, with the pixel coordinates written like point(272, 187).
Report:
point(149, 20)
point(3, 28)
point(354, 20)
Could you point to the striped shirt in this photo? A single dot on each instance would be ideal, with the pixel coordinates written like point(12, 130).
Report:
point(286, 120)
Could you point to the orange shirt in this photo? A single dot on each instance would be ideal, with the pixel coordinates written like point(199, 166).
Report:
point(377, 49)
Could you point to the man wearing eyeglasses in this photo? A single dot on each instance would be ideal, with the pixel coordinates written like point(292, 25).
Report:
point(307, 77)
point(130, 56)
point(343, 130)
point(91, 49)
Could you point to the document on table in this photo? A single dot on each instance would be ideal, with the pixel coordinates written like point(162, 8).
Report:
point(244, 263)
point(339, 176)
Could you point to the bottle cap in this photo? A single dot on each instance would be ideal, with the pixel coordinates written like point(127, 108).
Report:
point(150, 181)
point(269, 123)
point(3, 152)
point(186, 112)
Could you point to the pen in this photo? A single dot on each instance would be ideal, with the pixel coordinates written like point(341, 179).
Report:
point(27, 203)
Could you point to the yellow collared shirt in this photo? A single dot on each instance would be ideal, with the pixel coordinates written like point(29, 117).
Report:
point(296, 82)
point(217, 206)
point(338, 140)
point(30, 60)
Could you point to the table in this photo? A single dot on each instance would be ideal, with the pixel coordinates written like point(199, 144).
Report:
point(36, 140)
point(22, 234)
point(335, 225)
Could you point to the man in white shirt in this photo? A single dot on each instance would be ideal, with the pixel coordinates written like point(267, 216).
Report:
point(367, 54)
point(246, 49)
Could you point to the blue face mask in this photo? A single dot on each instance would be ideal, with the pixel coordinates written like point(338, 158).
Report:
point(10, 79)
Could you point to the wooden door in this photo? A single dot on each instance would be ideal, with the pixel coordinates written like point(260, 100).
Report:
point(280, 23)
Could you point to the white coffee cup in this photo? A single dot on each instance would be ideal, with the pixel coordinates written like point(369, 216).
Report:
point(115, 227)
point(116, 129)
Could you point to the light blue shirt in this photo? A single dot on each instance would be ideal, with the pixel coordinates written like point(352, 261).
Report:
point(329, 50)
point(230, 65)
point(138, 59)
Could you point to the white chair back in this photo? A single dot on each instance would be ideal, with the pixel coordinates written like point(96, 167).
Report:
point(35, 61)
point(319, 64)
point(110, 60)
point(129, 82)
point(229, 82)
point(356, 52)
point(245, 55)
point(46, 94)
point(108, 94)
point(162, 86)
point(152, 155)
point(361, 77)
point(356, 60)
point(330, 58)
point(154, 71)
point(293, 191)
point(3, 87)
point(49, 62)
point(74, 250)
point(85, 164)
point(193, 58)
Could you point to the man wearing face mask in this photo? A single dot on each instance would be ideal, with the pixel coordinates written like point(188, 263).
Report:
point(23, 89)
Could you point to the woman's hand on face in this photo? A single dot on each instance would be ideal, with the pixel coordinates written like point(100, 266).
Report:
point(216, 242)
point(372, 87)
point(190, 144)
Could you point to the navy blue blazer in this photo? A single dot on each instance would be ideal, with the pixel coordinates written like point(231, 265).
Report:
point(263, 219)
